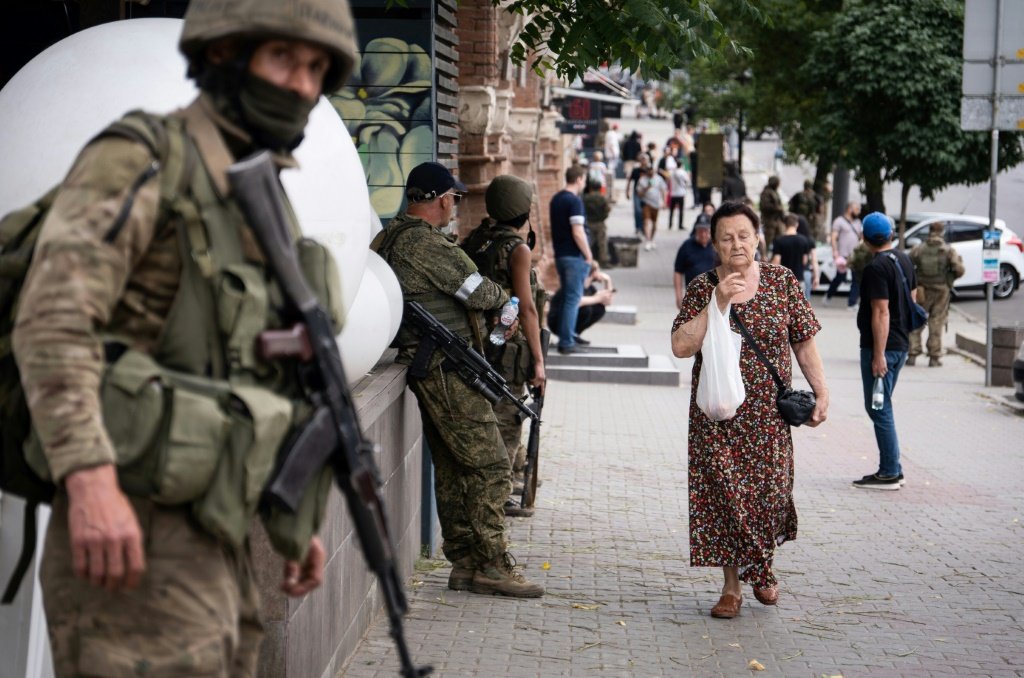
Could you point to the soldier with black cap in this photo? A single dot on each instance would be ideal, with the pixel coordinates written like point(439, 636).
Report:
point(471, 465)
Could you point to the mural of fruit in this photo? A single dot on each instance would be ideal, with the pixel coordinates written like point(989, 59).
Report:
point(387, 107)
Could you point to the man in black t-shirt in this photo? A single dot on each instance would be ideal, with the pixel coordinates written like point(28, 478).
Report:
point(794, 251)
point(887, 291)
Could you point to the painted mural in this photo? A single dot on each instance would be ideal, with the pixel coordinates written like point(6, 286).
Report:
point(388, 104)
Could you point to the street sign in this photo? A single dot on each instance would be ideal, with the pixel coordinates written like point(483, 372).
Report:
point(990, 256)
point(991, 74)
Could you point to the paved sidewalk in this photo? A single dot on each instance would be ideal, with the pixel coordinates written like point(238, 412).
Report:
point(921, 582)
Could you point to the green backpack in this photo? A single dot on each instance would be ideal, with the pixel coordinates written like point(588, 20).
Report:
point(19, 231)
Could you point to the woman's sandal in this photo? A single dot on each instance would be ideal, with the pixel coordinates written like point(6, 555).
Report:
point(728, 606)
point(768, 595)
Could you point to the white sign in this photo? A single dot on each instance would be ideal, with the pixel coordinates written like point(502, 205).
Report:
point(990, 256)
point(980, 87)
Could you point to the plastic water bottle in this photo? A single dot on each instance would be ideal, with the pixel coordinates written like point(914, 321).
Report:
point(878, 394)
point(509, 313)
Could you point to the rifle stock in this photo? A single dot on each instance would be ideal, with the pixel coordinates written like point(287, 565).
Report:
point(335, 425)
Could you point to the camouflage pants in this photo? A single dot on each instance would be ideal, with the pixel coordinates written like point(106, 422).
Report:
point(195, 613)
point(599, 234)
point(772, 229)
point(511, 429)
point(935, 299)
point(471, 467)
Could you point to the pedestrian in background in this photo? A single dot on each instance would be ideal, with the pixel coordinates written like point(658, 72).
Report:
point(652, 191)
point(571, 243)
point(632, 148)
point(638, 206)
point(795, 252)
point(771, 212)
point(741, 470)
point(679, 180)
point(592, 307)
point(846, 233)
point(597, 209)
point(612, 156)
point(733, 186)
point(695, 256)
point(938, 266)
point(887, 288)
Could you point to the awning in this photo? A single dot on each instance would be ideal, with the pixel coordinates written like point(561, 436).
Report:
point(585, 94)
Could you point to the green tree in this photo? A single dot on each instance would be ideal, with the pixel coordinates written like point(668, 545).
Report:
point(655, 36)
point(889, 78)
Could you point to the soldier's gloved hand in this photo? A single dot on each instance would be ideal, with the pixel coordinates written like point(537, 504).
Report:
point(301, 578)
point(512, 329)
point(106, 540)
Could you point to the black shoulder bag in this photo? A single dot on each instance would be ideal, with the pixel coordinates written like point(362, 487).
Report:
point(918, 314)
point(795, 406)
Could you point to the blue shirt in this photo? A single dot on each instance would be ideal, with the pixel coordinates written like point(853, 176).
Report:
point(564, 206)
point(692, 259)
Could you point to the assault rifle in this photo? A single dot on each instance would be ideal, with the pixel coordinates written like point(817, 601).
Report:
point(533, 444)
point(333, 435)
point(471, 367)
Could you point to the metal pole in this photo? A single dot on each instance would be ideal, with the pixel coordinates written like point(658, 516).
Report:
point(996, 59)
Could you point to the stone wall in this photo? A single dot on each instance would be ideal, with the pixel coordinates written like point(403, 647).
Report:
point(504, 126)
point(314, 635)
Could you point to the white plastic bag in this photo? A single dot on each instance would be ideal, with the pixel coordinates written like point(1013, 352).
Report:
point(720, 389)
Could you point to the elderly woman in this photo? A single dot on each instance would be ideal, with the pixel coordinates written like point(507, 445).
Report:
point(741, 470)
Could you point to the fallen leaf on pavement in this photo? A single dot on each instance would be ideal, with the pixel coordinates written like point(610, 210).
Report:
point(755, 665)
point(581, 606)
point(546, 566)
point(621, 623)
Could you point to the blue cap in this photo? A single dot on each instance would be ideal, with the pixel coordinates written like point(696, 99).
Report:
point(430, 179)
point(878, 228)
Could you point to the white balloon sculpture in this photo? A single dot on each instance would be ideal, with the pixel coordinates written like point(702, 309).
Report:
point(74, 89)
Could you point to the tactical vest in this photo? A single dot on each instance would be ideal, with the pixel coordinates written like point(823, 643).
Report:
point(200, 420)
point(490, 247)
point(933, 263)
point(446, 308)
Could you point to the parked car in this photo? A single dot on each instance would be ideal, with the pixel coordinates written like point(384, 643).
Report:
point(964, 233)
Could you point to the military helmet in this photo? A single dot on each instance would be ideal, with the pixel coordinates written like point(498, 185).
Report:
point(508, 197)
point(327, 23)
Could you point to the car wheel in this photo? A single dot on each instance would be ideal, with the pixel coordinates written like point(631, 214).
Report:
point(1004, 288)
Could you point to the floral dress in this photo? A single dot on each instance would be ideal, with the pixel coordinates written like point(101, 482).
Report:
point(741, 470)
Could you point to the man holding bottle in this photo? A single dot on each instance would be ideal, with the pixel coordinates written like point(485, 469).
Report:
point(887, 292)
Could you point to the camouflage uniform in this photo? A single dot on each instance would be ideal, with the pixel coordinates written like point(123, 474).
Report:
point(470, 462)
point(938, 265)
point(114, 267)
point(771, 213)
point(513, 359)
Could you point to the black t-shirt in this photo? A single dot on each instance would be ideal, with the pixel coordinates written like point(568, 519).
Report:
point(881, 280)
point(791, 249)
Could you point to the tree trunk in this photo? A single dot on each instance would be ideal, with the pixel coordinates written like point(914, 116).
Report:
point(873, 190)
point(904, 193)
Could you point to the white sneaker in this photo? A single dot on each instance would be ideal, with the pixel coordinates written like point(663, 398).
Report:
point(654, 245)
point(647, 246)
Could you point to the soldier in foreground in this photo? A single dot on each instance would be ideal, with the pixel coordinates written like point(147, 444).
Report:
point(134, 341)
point(938, 266)
point(470, 462)
point(504, 257)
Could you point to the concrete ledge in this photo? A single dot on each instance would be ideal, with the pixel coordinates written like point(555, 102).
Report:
point(601, 356)
point(660, 371)
point(971, 345)
point(620, 315)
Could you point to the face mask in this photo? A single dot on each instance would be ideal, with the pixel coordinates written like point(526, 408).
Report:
point(276, 117)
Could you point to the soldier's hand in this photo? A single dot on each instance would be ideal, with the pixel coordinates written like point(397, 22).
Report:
point(106, 540)
point(301, 578)
point(511, 331)
point(540, 379)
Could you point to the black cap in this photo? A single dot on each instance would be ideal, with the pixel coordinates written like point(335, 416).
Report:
point(429, 180)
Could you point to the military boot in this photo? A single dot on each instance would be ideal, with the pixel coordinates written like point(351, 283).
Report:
point(501, 576)
point(934, 362)
point(911, 360)
point(513, 509)
point(461, 577)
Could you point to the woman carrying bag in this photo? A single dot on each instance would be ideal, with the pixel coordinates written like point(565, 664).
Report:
point(741, 469)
